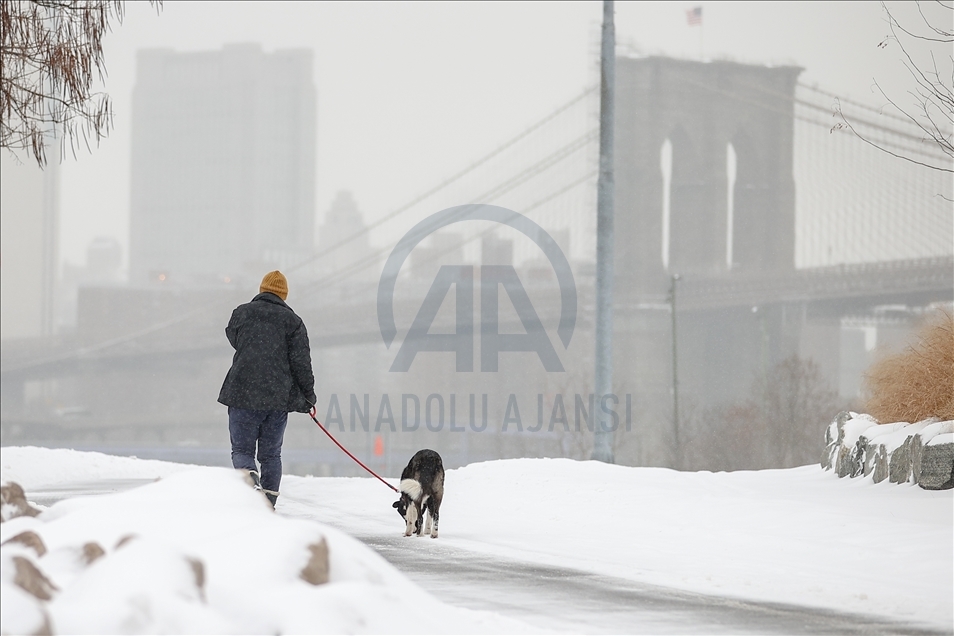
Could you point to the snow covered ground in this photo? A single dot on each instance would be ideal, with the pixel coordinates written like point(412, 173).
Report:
point(800, 537)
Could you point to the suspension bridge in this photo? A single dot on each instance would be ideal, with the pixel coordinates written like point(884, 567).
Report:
point(865, 229)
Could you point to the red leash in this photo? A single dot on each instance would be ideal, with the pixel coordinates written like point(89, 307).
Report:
point(347, 452)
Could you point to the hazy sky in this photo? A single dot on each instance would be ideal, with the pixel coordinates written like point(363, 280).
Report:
point(410, 92)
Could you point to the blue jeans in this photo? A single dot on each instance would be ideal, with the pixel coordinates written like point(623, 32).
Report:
point(267, 428)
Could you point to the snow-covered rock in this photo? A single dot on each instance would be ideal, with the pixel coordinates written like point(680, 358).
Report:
point(13, 503)
point(901, 452)
point(937, 460)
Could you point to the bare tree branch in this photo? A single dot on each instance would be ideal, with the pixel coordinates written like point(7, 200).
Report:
point(846, 124)
point(50, 54)
point(933, 97)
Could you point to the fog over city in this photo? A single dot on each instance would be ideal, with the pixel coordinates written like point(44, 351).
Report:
point(426, 175)
point(409, 93)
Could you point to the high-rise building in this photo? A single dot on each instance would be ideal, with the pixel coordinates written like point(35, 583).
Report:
point(29, 228)
point(223, 164)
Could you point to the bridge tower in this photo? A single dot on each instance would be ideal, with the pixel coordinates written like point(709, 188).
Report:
point(704, 188)
point(679, 125)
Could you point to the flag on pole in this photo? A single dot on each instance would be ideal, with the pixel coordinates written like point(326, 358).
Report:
point(694, 16)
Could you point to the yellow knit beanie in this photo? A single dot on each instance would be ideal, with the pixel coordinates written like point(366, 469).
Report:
point(275, 283)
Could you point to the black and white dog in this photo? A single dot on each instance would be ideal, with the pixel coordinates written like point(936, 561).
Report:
point(422, 488)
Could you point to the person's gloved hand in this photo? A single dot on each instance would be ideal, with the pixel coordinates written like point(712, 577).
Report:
point(312, 400)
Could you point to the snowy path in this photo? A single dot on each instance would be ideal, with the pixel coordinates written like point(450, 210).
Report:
point(50, 495)
point(566, 600)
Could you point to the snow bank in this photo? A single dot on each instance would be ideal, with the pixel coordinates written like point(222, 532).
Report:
point(900, 452)
point(34, 467)
point(197, 552)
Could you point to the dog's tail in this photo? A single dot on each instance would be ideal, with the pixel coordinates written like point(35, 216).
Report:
point(412, 488)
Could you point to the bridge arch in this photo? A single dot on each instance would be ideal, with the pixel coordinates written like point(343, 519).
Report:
point(688, 244)
point(751, 205)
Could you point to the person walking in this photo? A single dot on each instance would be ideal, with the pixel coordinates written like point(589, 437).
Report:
point(271, 376)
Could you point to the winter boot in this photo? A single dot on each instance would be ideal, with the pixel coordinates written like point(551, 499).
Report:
point(256, 480)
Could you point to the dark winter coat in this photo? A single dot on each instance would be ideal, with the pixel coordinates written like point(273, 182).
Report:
point(271, 369)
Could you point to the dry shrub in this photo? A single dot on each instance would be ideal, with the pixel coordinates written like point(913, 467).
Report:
point(919, 382)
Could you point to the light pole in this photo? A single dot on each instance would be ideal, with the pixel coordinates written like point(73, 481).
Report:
point(759, 313)
point(603, 439)
point(675, 374)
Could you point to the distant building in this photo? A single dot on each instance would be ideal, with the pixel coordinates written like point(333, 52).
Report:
point(104, 259)
point(539, 269)
point(29, 227)
point(349, 262)
point(495, 250)
point(443, 248)
point(223, 164)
